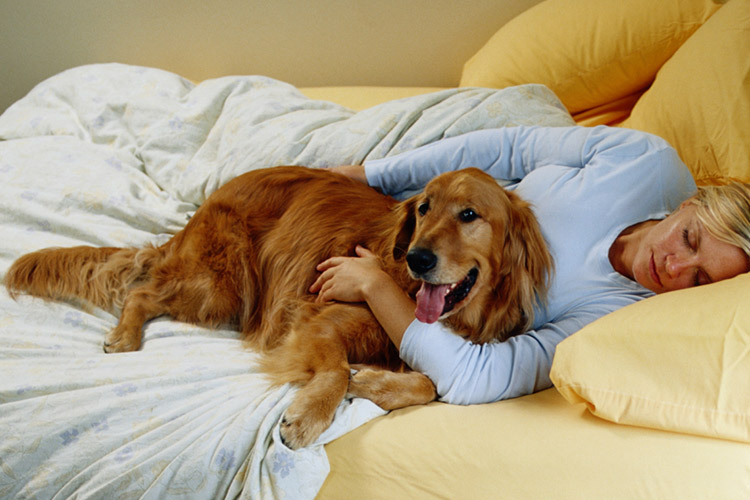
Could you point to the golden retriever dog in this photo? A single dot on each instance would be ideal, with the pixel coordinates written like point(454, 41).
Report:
point(468, 251)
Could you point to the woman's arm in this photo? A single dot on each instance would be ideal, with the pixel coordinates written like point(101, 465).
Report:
point(356, 172)
point(505, 153)
point(466, 373)
point(469, 373)
point(510, 154)
point(361, 279)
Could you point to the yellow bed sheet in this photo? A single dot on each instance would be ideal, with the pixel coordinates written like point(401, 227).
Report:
point(537, 446)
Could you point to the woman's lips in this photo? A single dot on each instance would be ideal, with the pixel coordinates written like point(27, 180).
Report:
point(654, 274)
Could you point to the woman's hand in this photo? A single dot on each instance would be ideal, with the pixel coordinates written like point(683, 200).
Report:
point(361, 279)
point(356, 172)
point(347, 279)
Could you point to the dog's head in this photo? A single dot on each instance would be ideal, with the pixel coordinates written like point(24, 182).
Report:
point(479, 253)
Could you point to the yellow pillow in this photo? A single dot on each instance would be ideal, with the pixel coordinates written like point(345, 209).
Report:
point(700, 100)
point(678, 361)
point(589, 52)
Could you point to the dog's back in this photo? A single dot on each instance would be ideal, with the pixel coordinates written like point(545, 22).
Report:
point(292, 218)
point(246, 255)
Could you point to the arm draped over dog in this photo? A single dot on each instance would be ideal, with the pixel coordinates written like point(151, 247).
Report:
point(586, 185)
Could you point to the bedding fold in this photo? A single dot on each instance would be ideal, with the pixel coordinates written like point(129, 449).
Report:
point(193, 138)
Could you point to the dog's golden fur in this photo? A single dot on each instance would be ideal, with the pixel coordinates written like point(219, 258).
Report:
point(248, 255)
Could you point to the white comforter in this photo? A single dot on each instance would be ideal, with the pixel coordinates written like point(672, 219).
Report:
point(121, 156)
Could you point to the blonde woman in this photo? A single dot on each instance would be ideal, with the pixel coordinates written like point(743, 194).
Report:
point(620, 215)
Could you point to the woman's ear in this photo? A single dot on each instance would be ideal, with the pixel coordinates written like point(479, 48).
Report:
point(406, 221)
point(684, 204)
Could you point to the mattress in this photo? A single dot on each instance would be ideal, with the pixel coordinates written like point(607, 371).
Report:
point(536, 446)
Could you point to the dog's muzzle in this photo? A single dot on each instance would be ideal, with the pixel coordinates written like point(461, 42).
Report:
point(436, 299)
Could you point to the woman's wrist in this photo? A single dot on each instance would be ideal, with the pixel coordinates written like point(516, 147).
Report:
point(390, 305)
point(375, 285)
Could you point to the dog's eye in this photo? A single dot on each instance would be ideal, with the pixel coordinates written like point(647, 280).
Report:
point(423, 208)
point(468, 215)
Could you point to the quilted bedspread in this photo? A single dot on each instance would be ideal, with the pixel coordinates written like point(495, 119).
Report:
point(114, 155)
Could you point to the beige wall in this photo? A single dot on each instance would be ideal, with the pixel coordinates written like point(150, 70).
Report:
point(304, 42)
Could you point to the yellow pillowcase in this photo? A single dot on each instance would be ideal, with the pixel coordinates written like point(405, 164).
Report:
point(700, 100)
point(589, 52)
point(678, 361)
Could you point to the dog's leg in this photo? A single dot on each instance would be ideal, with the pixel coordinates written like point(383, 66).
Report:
point(313, 355)
point(140, 305)
point(313, 408)
point(391, 390)
point(315, 404)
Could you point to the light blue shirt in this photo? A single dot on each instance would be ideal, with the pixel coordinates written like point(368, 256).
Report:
point(586, 185)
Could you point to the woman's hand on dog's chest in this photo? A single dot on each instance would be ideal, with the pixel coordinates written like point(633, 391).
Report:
point(346, 279)
point(361, 279)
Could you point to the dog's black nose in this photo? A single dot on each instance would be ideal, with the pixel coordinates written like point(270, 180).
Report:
point(421, 260)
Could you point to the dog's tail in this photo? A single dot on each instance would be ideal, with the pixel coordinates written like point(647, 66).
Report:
point(99, 275)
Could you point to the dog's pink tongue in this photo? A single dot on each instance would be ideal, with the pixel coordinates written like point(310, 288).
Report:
point(430, 302)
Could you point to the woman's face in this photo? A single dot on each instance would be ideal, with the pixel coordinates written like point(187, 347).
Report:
point(678, 252)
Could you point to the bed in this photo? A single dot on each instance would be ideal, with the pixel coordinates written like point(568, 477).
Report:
point(650, 402)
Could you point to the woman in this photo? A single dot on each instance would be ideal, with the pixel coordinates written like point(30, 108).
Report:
point(602, 197)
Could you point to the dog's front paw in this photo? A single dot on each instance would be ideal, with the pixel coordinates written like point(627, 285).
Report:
point(298, 432)
point(119, 340)
point(390, 390)
point(372, 384)
point(313, 408)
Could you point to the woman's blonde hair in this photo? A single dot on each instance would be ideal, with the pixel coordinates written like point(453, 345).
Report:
point(725, 213)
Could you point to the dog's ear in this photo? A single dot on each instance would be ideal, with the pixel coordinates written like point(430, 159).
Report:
point(525, 266)
point(533, 262)
point(405, 223)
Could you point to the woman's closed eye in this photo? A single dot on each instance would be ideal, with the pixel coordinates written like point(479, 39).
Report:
point(686, 238)
point(700, 276)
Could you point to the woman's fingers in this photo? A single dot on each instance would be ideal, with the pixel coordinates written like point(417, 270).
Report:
point(341, 278)
point(363, 252)
point(330, 262)
point(319, 282)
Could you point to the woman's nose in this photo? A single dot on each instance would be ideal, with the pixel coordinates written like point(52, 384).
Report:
point(678, 264)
